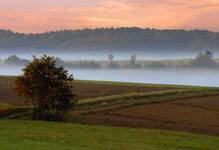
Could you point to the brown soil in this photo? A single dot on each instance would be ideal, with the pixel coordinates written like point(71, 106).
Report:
point(7, 94)
point(81, 89)
point(93, 90)
point(200, 115)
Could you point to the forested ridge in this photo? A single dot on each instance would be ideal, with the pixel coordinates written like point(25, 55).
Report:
point(116, 39)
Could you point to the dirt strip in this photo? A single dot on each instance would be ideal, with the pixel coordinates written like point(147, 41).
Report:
point(199, 115)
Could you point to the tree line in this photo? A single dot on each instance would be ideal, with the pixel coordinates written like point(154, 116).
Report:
point(202, 60)
point(117, 39)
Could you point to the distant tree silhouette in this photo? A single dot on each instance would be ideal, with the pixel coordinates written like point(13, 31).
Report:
point(111, 57)
point(209, 54)
point(122, 39)
point(154, 65)
point(13, 60)
point(133, 62)
point(59, 62)
point(204, 60)
point(133, 59)
point(88, 64)
point(112, 64)
point(48, 86)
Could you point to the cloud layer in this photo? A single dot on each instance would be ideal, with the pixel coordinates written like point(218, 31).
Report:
point(44, 15)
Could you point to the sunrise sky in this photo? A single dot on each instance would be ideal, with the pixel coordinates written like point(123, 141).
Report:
point(45, 15)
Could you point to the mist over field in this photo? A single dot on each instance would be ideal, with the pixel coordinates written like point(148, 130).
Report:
point(138, 55)
point(97, 55)
point(179, 77)
point(154, 75)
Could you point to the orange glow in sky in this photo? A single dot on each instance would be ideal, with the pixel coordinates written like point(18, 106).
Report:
point(45, 15)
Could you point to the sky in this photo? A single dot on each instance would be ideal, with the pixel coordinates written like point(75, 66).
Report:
point(33, 16)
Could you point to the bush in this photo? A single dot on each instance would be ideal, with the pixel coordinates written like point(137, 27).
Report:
point(47, 85)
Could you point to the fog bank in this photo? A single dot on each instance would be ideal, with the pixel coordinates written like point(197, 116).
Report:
point(193, 77)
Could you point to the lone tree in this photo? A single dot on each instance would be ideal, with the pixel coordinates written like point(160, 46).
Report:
point(48, 87)
point(111, 57)
point(133, 59)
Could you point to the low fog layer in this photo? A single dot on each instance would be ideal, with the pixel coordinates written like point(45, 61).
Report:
point(202, 70)
point(170, 76)
point(95, 55)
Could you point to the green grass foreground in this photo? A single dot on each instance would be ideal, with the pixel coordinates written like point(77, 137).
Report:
point(22, 135)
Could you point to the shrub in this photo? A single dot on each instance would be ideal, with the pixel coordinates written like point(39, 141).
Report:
point(47, 85)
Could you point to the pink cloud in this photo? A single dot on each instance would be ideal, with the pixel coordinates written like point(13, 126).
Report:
point(40, 16)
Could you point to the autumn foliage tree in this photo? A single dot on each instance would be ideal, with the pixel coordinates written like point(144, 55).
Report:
point(48, 87)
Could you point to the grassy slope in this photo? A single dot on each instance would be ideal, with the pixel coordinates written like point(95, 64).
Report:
point(116, 101)
point(43, 135)
point(169, 92)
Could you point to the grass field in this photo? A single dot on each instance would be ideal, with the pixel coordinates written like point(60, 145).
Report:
point(21, 135)
point(142, 106)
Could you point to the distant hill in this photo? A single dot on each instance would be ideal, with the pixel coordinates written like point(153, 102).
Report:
point(112, 39)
